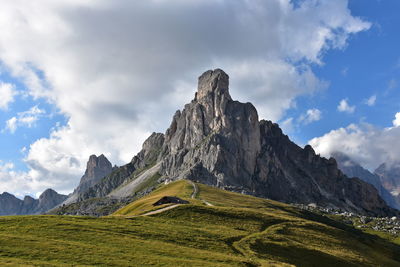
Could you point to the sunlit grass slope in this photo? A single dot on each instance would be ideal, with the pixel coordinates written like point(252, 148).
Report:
point(238, 230)
point(181, 189)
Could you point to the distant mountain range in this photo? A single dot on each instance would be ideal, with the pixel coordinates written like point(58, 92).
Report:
point(389, 175)
point(354, 169)
point(10, 205)
point(97, 168)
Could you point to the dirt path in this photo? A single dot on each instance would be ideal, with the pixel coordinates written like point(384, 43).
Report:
point(195, 190)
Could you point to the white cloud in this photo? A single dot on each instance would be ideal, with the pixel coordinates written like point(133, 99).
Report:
point(371, 101)
point(365, 143)
point(310, 116)
point(11, 124)
point(27, 119)
point(396, 121)
point(7, 93)
point(345, 107)
point(265, 78)
point(119, 69)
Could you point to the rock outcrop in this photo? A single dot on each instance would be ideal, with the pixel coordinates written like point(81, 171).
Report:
point(221, 142)
point(144, 160)
point(214, 139)
point(353, 169)
point(96, 169)
point(10, 205)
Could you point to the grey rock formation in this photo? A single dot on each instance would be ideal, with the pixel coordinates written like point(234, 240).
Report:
point(353, 169)
point(96, 169)
point(221, 142)
point(214, 139)
point(10, 205)
point(144, 160)
point(48, 200)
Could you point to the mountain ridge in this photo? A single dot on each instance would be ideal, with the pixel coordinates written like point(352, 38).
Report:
point(354, 169)
point(221, 142)
point(11, 205)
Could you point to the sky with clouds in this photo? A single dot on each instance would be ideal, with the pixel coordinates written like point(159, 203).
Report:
point(82, 77)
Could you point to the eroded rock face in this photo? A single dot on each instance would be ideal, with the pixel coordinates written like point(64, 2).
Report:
point(221, 142)
point(289, 173)
point(96, 169)
point(214, 140)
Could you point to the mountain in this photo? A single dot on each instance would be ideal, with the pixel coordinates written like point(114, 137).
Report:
point(96, 169)
point(217, 141)
point(389, 175)
point(353, 169)
point(10, 205)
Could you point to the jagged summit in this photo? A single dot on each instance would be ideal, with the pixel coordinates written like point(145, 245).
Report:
point(214, 83)
point(221, 142)
point(96, 169)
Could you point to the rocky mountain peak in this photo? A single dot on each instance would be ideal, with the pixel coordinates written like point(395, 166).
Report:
point(96, 166)
point(48, 193)
point(221, 142)
point(49, 199)
point(96, 169)
point(213, 83)
point(10, 205)
point(211, 133)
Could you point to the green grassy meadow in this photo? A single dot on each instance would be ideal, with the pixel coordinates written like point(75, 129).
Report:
point(238, 230)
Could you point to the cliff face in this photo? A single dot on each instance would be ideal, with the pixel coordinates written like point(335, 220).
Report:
point(221, 142)
point(214, 139)
point(96, 169)
point(10, 205)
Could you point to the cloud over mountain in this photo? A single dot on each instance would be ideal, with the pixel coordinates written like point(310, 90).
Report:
point(117, 70)
point(365, 143)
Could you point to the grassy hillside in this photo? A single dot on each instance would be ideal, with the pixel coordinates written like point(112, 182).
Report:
point(181, 189)
point(238, 230)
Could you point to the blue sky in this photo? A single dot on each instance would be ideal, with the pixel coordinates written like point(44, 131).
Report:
point(368, 66)
point(93, 77)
